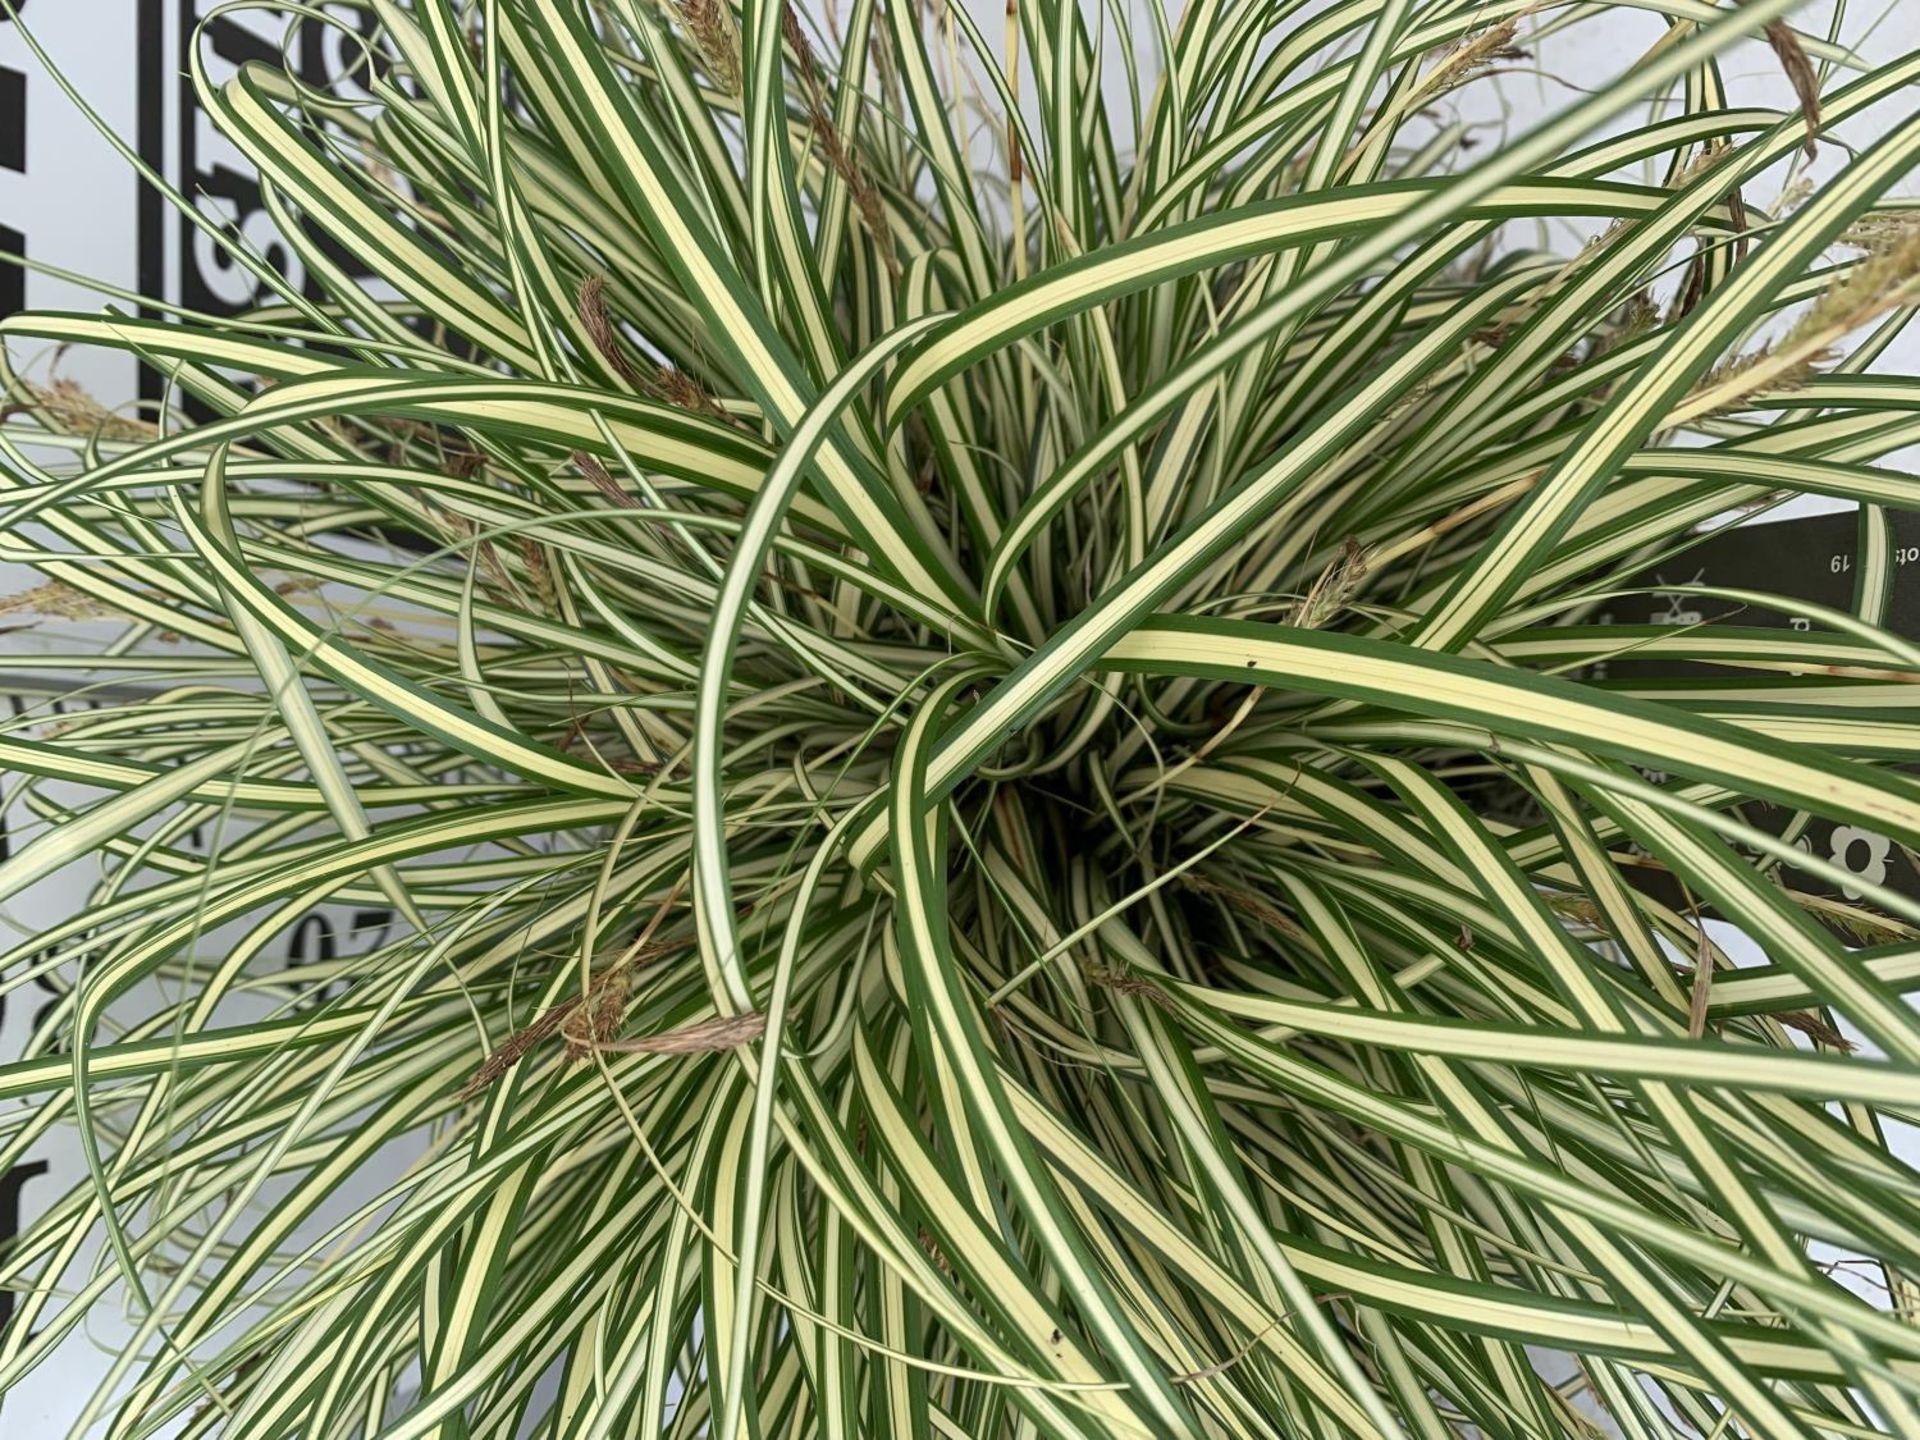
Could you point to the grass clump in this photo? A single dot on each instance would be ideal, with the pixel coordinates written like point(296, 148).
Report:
point(972, 708)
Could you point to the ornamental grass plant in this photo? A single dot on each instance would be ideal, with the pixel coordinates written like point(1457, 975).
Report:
point(981, 708)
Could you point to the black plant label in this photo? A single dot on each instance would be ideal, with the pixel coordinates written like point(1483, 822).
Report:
point(179, 259)
point(13, 1185)
point(1798, 563)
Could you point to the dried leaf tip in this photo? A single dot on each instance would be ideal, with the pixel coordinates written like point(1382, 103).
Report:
point(72, 409)
point(845, 163)
point(55, 601)
point(591, 302)
point(594, 1024)
point(1800, 74)
point(1474, 55)
point(1131, 985)
point(603, 482)
point(1334, 588)
point(1887, 279)
point(657, 382)
point(711, 28)
point(722, 1032)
